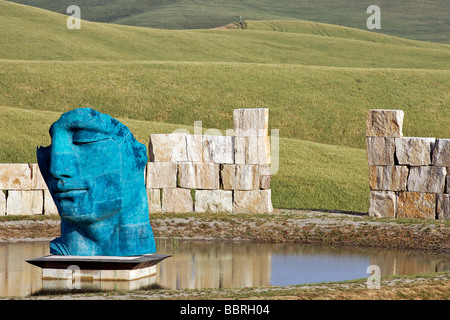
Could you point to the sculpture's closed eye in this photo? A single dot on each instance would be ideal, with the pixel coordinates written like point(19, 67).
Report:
point(83, 136)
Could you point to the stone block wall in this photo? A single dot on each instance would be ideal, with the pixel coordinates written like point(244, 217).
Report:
point(212, 173)
point(23, 191)
point(185, 173)
point(409, 177)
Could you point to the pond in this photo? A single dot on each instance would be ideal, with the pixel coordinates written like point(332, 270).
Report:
point(207, 264)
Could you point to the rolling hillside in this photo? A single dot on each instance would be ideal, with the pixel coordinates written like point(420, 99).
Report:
point(44, 36)
point(414, 19)
point(320, 104)
point(318, 80)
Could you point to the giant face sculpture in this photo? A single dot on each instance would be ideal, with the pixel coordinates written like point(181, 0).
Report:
point(94, 169)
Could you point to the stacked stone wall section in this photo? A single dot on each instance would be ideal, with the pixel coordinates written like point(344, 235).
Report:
point(408, 176)
point(23, 190)
point(212, 169)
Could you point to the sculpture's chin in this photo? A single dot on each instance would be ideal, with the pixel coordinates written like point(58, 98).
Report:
point(90, 214)
point(82, 219)
point(76, 211)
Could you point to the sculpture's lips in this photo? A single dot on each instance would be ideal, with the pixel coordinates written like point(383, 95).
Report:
point(68, 193)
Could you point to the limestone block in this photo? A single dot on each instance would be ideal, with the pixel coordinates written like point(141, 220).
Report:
point(154, 200)
point(228, 176)
point(441, 153)
point(194, 145)
point(264, 155)
point(63, 274)
point(414, 151)
point(37, 180)
point(264, 170)
point(247, 177)
point(427, 179)
point(99, 277)
point(243, 150)
point(167, 147)
point(49, 204)
point(380, 151)
point(266, 176)
point(388, 178)
point(15, 176)
point(213, 201)
point(251, 122)
point(177, 200)
point(383, 204)
point(241, 177)
point(253, 201)
point(443, 206)
point(161, 175)
point(218, 149)
point(385, 123)
point(416, 205)
point(24, 202)
point(127, 275)
point(198, 175)
point(2, 203)
point(252, 150)
point(265, 182)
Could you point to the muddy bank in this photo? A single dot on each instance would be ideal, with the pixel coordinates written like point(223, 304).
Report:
point(417, 287)
point(291, 226)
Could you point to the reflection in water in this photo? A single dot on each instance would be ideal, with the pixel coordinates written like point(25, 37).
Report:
point(314, 264)
point(18, 278)
point(197, 264)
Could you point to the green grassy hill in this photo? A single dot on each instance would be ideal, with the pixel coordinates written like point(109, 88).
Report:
point(44, 36)
point(320, 104)
point(318, 81)
point(413, 19)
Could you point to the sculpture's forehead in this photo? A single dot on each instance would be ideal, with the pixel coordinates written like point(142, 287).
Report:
point(84, 118)
point(89, 119)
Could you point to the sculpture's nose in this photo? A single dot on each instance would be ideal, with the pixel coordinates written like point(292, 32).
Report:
point(62, 165)
point(62, 158)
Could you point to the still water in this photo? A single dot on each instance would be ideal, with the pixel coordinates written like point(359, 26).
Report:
point(201, 264)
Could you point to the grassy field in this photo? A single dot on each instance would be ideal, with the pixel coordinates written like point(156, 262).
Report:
point(414, 19)
point(320, 104)
point(318, 81)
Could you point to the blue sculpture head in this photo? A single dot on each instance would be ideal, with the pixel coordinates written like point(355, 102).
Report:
point(94, 169)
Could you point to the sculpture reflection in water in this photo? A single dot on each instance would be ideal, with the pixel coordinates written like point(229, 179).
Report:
point(94, 169)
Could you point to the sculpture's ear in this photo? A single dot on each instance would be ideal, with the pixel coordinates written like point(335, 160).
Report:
point(134, 158)
point(141, 156)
